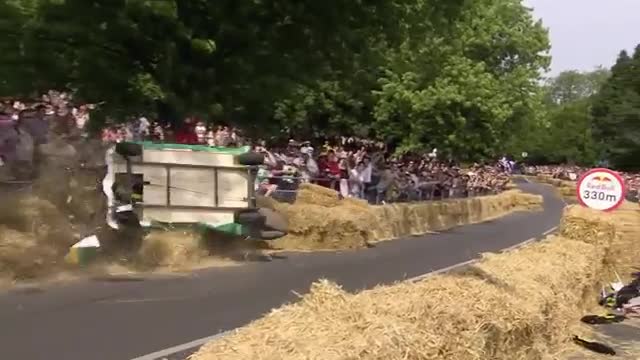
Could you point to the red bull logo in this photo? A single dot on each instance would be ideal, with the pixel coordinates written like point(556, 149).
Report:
point(601, 182)
point(601, 189)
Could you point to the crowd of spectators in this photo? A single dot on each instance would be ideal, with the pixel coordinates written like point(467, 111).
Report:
point(358, 168)
point(192, 131)
point(365, 169)
point(355, 167)
point(53, 108)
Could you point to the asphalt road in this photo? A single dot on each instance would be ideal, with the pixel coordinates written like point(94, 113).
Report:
point(106, 320)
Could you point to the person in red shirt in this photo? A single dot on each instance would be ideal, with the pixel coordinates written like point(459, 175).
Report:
point(330, 169)
point(187, 133)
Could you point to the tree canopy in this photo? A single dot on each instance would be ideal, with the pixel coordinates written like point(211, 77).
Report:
point(564, 134)
point(460, 75)
point(616, 113)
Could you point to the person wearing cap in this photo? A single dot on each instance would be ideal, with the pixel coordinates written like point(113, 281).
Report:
point(311, 167)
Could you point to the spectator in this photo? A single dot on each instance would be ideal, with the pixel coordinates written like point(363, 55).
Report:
point(186, 134)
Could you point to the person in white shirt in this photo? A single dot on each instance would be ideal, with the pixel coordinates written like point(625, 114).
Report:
point(201, 132)
point(356, 180)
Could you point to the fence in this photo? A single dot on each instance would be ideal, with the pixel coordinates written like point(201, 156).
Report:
point(287, 188)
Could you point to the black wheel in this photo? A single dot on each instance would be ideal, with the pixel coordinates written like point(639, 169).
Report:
point(121, 193)
point(250, 218)
point(128, 149)
point(251, 159)
point(270, 235)
point(273, 220)
point(127, 218)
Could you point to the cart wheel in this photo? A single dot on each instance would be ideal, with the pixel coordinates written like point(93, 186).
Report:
point(271, 235)
point(273, 220)
point(251, 159)
point(121, 194)
point(250, 218)
point(127, 219)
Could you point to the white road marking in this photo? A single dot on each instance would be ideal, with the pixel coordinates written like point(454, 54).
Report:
point(196, 343)
point(517, 246)
point(143, 300)
point(199, 342)
point(550, 231)
point(179, 348)
point(440, 271)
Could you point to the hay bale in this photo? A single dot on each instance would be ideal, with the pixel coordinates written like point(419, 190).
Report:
point(625, 252)
point(565, 188)
point(174, 249)
point(399, 220)
point(312, 227)
point(442, 318)
point(319, 220)
point(310, 194)
point(517, 305)
point(34, 237)
point(23, 257)
point(30, 214)
point(551, 290)
point(623, 225)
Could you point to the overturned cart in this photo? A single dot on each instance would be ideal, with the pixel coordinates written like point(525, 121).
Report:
point(149, 183)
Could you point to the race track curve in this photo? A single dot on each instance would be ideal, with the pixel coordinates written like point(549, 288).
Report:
point(106, 320)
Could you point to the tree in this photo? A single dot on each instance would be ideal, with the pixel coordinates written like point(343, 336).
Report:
point(565, 134)
point(226, 57)
point(616, 113)
point(460, 75)
point(570, 86)
point(468, 84)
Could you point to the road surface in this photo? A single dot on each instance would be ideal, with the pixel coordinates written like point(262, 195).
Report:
point(106, 320)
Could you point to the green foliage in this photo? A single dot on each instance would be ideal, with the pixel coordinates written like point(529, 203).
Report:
point(565, 134)
point(616, 113)
point(570, 86)
point(460, 75)
point(467, 84)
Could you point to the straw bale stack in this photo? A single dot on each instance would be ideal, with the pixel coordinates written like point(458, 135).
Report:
point(517, 305)
point(320, 220)
point(564, 187)
point(173, 249)
point(29, 213)
point(625, 252)
point(318, 195)
point(34, 236)
point(22, 257)
point(317, 227)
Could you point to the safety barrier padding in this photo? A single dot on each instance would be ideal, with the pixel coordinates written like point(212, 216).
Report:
point(320, 220)
point(566, 188)
point(34, 236)
point(522, 304)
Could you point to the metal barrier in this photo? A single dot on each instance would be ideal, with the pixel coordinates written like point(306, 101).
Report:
point(287, 189)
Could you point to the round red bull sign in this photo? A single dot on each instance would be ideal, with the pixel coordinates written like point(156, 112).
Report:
point(601, 189)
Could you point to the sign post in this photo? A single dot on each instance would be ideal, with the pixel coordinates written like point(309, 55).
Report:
point(601, 189)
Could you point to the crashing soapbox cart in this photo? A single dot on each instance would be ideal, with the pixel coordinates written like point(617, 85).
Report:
point(177, 184)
